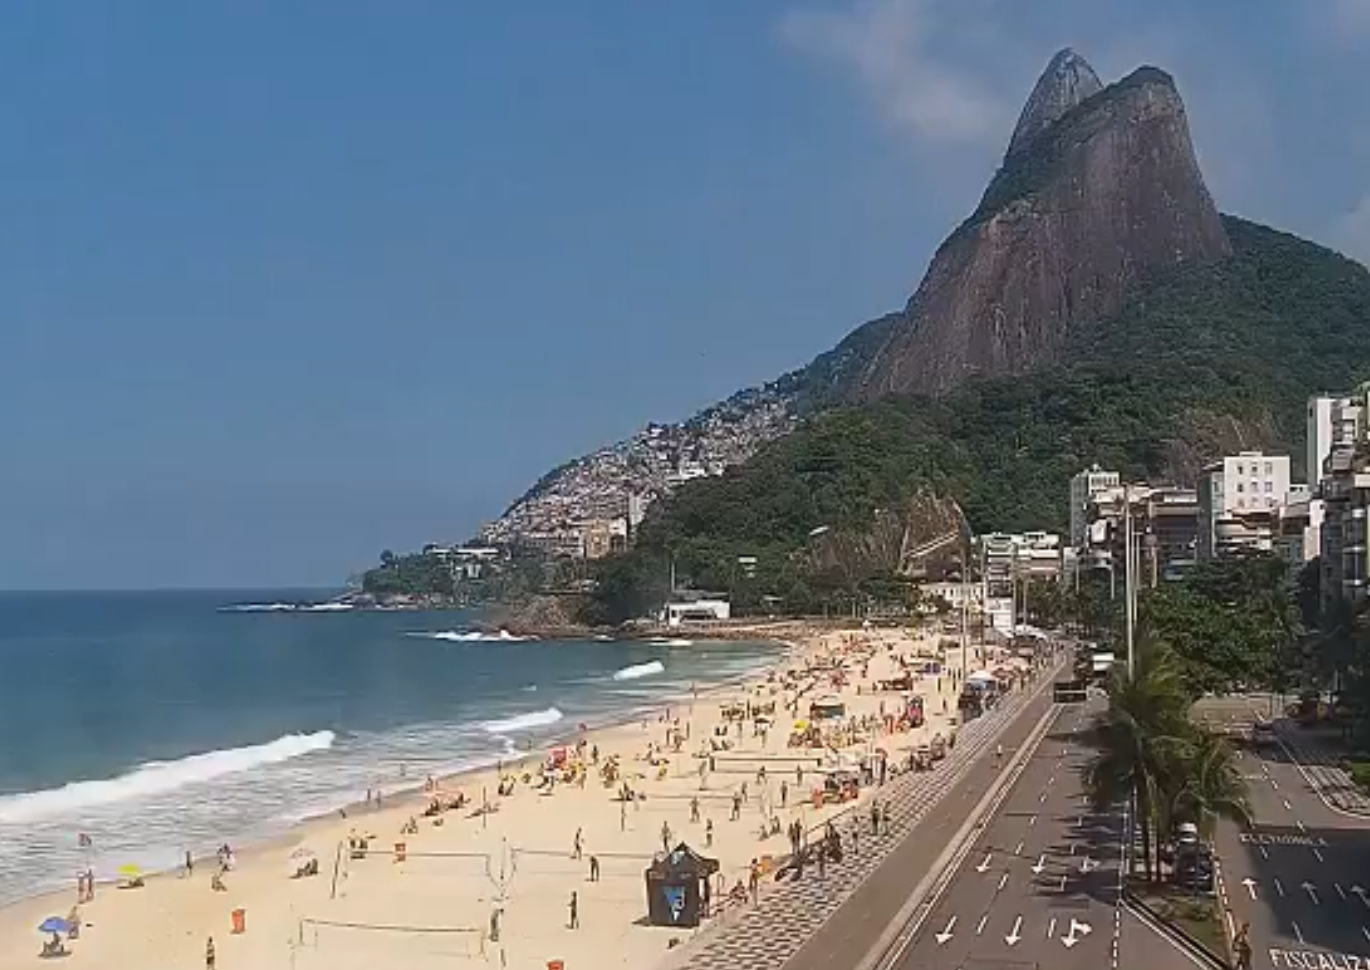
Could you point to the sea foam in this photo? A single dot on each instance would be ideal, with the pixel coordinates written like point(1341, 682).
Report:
point(157, 778)
point(473, 636)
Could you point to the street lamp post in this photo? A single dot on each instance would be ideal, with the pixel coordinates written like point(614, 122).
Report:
point(1129, 579)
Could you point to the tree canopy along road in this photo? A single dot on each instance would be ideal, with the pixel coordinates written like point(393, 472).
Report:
point(1300, 875)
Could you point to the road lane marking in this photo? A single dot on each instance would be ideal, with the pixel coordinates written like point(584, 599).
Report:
point(1040, 864)
point(1312, 891)
point(1051, 928)
point(1250, 885)
point(1302, 827)
point(1014, 936)
point(1063, 882)
point(1032, 820)
point(1273, 783)
point(1042, 797)
point(1360, 891)
point(1340, 892)
point(1298, 933)
point(1003, 881)
point(1287, 806)
point(1078, 931)
point(1018, 849)
point(1279, 887)
point(980, 928)
point(1317, 855)
point(984, 863)
point(946, 933)
point(1264, 853)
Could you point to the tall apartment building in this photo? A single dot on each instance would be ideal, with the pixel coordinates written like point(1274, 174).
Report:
point(1346, 498)
point(1165, 525)
point(1240, 497)
point(1083, 488)
point(1334, 421)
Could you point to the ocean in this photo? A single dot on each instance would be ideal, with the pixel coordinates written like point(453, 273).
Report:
point(156, 723)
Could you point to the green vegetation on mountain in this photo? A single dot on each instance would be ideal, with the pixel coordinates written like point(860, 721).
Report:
point(1204, 361)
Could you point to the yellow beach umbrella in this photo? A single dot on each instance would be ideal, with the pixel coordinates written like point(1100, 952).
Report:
point(130, 871)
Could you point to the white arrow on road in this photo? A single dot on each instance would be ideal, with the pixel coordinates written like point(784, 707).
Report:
point(945, 935)
point(1360, 891)
point(1078, 931)
point(1040, 864)
point(1087, 864)
point(1250, 885)
point(1013, 938)
point(984, 864)
point(1312, 891)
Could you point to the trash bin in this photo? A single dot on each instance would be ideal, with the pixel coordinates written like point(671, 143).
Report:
point(400, 850)
point(239, 921)
point(555, 965)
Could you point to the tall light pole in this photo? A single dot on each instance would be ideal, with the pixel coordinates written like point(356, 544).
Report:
point(1129, 579)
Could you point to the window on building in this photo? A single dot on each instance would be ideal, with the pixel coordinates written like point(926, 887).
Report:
point(1269, 486)
point(1269, 468)
point(1241, 502)
point(1241, 469)
point(1241, 487)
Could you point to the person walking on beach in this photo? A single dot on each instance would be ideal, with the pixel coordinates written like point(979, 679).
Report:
point(737, 808)
point(694, 809)
point(875, 818)
point(784, 792)
point(209, 954)
point(709, 834)
point(754, 881)
point(623, 816)
point(594, 868)
point(665, 836)
point(574, 907)
point(578, 846)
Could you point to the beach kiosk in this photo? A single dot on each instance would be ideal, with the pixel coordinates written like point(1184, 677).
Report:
point(676, 887)
point(827, 708)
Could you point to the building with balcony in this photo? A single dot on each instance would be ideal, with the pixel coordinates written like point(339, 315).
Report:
point(1083, 488)
point(1243, 494)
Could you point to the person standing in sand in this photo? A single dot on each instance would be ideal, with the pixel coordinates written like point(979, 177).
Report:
point(594, 868)
point(574, 907)
point(209, 954)
point(694, 809)
point(577, 847)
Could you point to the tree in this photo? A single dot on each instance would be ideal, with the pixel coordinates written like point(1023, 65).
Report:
point(1140, 736)
point(1205, 784)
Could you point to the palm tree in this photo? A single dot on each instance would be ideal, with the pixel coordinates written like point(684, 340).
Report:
point(1140, 737)
point(1208, 785)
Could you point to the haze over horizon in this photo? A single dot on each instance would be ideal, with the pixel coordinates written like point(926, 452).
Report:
point(284, 288)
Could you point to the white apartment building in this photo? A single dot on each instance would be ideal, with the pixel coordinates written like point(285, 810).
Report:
point(1083, 488)
point(1240, 497)
point(1334, 421)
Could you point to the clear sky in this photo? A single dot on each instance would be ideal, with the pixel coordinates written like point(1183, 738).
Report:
point(286, 283)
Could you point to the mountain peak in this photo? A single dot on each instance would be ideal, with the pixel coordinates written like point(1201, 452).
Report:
point(1067, 81)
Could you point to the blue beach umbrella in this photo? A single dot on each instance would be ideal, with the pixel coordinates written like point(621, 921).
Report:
point(54, 924)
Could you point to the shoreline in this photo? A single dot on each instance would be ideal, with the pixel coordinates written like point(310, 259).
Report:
point(259, 883)
point(412, 791)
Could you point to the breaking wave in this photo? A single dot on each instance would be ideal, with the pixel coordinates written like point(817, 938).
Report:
point(473, 636)
point(157, 778)
point(637, 671)
point(523, 722)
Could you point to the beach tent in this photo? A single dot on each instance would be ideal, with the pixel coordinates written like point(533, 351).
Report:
point(981, 677)
point(676, 887)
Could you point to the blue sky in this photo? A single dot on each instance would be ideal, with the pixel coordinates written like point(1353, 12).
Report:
point(286, 283)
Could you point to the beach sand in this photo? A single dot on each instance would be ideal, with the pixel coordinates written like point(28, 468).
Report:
point(438, 902)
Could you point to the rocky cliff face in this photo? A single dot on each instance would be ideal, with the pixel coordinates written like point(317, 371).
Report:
point(1067, 81)
point(1098, 191)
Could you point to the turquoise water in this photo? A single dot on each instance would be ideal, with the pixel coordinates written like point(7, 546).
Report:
point(159, 722)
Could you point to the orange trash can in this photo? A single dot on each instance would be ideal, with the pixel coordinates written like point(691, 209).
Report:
point(555, 965)
point(400, 849)
point(239, 921)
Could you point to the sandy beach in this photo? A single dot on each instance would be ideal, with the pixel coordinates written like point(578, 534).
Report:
point(518, 864)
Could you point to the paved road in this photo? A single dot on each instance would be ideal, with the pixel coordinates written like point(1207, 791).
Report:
point(1301, 875)
point(1039, 887)
point(830, 922)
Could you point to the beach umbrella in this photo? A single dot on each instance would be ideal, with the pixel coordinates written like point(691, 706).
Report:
point(54, 924)
point(130, 871)
point(981, 675)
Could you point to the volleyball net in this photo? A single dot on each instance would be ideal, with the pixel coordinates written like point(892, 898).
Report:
point(342, 944)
